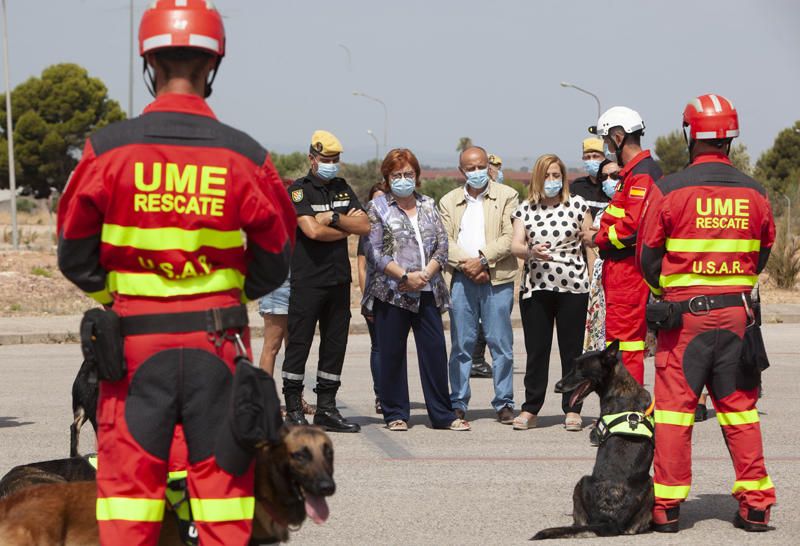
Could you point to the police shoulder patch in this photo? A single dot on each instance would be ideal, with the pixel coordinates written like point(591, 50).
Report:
point(297, 195)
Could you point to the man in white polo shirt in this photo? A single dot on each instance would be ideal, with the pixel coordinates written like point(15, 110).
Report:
point(477, 218)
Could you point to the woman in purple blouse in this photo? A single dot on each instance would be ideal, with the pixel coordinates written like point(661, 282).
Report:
point(407, 247)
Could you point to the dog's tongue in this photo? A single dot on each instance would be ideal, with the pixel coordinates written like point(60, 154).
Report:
point(317, 508)
point(576, 394)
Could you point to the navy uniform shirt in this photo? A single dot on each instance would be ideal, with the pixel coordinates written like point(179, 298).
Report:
point(318, 263)
point(592, 192)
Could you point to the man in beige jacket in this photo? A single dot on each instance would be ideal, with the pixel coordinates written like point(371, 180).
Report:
point(477, 218)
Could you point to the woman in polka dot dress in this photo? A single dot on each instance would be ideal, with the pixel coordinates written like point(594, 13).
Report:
point(555, 283)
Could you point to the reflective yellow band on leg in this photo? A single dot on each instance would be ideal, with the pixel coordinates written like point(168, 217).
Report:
point(738, 418)
point(130, 509)
point(678, 418)
point(671, 491)
point(753, 485)
point(232, 509)
point(629, 345)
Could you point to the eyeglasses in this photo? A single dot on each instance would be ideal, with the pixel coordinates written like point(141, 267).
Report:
point(411, 175)
point(612, 176)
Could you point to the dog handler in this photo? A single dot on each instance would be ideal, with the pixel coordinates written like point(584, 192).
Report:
point(706, 235)
point(151, 223)
point(626, 292)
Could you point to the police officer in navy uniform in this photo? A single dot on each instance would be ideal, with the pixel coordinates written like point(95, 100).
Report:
point(328, 211)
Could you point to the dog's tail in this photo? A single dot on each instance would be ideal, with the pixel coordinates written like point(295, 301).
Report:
point(578, 531)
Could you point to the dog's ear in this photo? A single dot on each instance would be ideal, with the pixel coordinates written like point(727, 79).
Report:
point(611, 352)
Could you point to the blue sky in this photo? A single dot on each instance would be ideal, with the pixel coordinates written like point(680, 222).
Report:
point(488, 70)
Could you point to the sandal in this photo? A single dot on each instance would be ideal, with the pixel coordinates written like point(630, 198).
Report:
point(460, 424)
point(524, 423)
point(398, 425)
point(573, 422)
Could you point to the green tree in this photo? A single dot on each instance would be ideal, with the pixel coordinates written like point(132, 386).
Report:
point(740, 158)
point(463, 144)
point(779, 167)
point(293, 165)
point(673, 155)
point(361, 176)
point(53, 116)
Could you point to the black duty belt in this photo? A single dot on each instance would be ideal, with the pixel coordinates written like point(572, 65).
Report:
point(702, 305)
point(212, 321)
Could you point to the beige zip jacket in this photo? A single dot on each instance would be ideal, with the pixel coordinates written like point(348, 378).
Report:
point(499, 203)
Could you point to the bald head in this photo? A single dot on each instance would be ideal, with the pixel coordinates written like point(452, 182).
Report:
point(473, 156)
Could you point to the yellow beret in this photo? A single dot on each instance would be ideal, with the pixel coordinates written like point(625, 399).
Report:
point(324, 143)
point(495, 159)
point(593, 144)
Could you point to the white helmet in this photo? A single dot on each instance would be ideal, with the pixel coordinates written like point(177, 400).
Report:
point(618, 116)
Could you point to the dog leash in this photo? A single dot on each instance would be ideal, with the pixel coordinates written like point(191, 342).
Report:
point(650, 408)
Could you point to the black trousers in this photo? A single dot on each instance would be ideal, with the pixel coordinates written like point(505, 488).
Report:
point(330, 306)
point(538, 313)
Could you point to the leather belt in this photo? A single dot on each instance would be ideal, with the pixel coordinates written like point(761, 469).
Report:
point(212, 321)
point(703, 305)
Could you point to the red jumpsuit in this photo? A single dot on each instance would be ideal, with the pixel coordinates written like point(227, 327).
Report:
point(707, 231)
point(154, 220)
point(625, 291)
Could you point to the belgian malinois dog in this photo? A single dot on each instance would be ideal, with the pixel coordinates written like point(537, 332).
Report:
point(617, 499)
point(292, 481)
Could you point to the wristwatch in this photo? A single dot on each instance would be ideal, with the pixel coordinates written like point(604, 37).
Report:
point(484, 262)
point(404, 278)
point(334, 218)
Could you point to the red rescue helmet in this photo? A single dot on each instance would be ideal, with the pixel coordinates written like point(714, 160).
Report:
point(710, 117)
point(182, 23)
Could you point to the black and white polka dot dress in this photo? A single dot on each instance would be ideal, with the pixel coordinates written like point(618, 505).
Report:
point(559, 225)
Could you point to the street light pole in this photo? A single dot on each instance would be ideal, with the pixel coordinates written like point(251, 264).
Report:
point(12, 180)
point(349, 57)
point(130, 65)
point(377, 150)
point(582, 90)
point(385, 115)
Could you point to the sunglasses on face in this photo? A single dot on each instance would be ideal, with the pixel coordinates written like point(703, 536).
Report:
point(612, 176)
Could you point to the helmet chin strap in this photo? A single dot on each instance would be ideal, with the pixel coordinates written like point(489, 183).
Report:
point(619, 147)
point(149, 76)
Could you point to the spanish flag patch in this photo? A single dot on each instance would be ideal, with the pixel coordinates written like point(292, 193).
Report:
point(638, 191)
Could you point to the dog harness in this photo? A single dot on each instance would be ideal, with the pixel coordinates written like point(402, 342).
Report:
point(627, 423)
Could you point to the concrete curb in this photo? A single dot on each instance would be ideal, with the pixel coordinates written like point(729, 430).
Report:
point(788, 314)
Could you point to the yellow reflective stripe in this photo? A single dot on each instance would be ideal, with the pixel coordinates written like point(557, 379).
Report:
point(232, 509)
point(738, 418)
point(612, 236)
point(753, 485)
point(101, 296)
point(130, 509)
point(654, 289)
point(615, 211)
point(671, 491)
point(692, 279)
point(629, 345)
point(170, 238)
point(150, 284)
point(713, 245)
point(679, 418)
point(177, 475)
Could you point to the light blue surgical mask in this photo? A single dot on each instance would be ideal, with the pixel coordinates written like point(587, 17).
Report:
point(552, 187)
point(478, 179)
point(609, 187)
point(592, 166)
point(403, 187)
point(499, 177)
point(326, 171)
point(608, 153)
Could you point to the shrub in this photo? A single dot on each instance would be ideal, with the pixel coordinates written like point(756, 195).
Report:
point(784, 261)
point(26, 205)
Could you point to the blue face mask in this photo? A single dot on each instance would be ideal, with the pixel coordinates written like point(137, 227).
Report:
point(326, 171)
point(609, 187)
point(478, 179)
point(499, 177)
point(403, 187)
point(552, 187)
point(591, 166)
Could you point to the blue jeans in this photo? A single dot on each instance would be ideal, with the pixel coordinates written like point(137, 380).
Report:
point(491, 305)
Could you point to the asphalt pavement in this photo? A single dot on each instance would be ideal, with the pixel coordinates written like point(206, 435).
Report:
point(492, 485)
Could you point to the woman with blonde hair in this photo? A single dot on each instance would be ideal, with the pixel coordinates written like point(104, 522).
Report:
point(555, 283)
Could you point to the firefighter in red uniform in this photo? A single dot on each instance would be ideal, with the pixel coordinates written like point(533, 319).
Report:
point(151, 222)
point(626, 292)
point(706, 235)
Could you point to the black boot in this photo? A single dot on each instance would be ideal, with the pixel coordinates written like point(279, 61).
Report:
point(294, 407)
point(755, 522)
point(328, 417)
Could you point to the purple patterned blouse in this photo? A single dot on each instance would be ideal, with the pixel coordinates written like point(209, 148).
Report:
point(392, 239)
